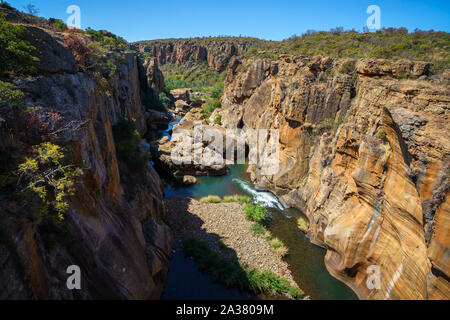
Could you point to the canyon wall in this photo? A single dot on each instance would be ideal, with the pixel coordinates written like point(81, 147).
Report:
point(115, 220)
point(364, 153)
point(216, 52)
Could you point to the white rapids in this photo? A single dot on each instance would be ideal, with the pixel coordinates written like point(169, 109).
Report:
point(265, 198)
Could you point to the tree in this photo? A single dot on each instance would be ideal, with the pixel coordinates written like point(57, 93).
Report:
point(31, 9)
point(50, 179)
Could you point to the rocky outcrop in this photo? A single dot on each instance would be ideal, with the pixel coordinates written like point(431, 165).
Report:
point(114, 225)
point(182, 155)
point(151, 80)
point(155, 78)
point(362, 154)
point(188, 180)
point(181, 94)
point(158, 119)
point(216, 52)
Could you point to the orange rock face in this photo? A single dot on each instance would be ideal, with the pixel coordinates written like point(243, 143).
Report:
point(366, 157)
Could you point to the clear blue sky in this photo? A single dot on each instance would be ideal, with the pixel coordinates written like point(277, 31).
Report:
point(274, 20)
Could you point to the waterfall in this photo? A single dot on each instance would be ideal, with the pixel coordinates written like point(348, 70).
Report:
point(264, 198)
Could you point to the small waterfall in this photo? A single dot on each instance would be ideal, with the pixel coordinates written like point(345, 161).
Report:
point(264, 198)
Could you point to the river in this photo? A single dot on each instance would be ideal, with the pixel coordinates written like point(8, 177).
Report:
point(306, 260)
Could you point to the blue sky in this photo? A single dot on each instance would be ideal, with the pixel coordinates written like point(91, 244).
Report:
point(273, 20)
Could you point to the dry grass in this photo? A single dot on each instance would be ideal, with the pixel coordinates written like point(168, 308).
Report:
point(278, 247)
point(303, 224)
point(211, 199)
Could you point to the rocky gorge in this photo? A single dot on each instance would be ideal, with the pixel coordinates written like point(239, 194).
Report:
point(114, 226)
point(364, 154)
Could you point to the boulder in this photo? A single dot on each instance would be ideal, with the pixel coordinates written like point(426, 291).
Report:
point(181, 94)
point(189, 180)
point(198, 103)
point(181, 105)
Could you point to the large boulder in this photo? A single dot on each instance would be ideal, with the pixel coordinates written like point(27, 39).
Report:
point(181, 94)
point(188, 180)
point(181, 105)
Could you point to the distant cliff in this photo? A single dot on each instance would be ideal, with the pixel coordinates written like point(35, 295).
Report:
point(217, 52)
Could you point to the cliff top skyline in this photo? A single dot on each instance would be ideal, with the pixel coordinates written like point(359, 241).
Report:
point(269, 20)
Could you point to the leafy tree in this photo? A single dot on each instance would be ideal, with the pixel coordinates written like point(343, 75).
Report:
point(48, 178)
point(256, 213)
point(16, 53)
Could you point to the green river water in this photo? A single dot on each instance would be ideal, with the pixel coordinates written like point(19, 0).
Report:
point(306, 260)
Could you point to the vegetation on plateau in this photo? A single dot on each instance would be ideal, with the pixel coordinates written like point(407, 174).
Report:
point(200, 78)
point(387, 43)
point(16, 53)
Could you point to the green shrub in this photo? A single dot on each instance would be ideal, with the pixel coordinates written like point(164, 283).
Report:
point(233, 275)
point(159, 102)
point(127, 141)
point(225, 271)
point(255, 213)
point(58, 25)
point(218, 120)
point(296, 293)
point(217, 91)
point(10, 95)
point(210, 106)
point(278, 247)
point(16, 53)
point(108, 40)
point(211, 199)
point(258, 229)
point(266, 282)
point(381, 134)
point(347, 67)
point(165, 100)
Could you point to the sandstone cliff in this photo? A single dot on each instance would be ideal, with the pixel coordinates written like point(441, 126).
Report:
point(115, 221)
point(365, 154)
point(217, 52)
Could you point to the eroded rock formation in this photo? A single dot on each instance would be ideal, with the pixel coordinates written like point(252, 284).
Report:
point(365, 155)
point(216, 52)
